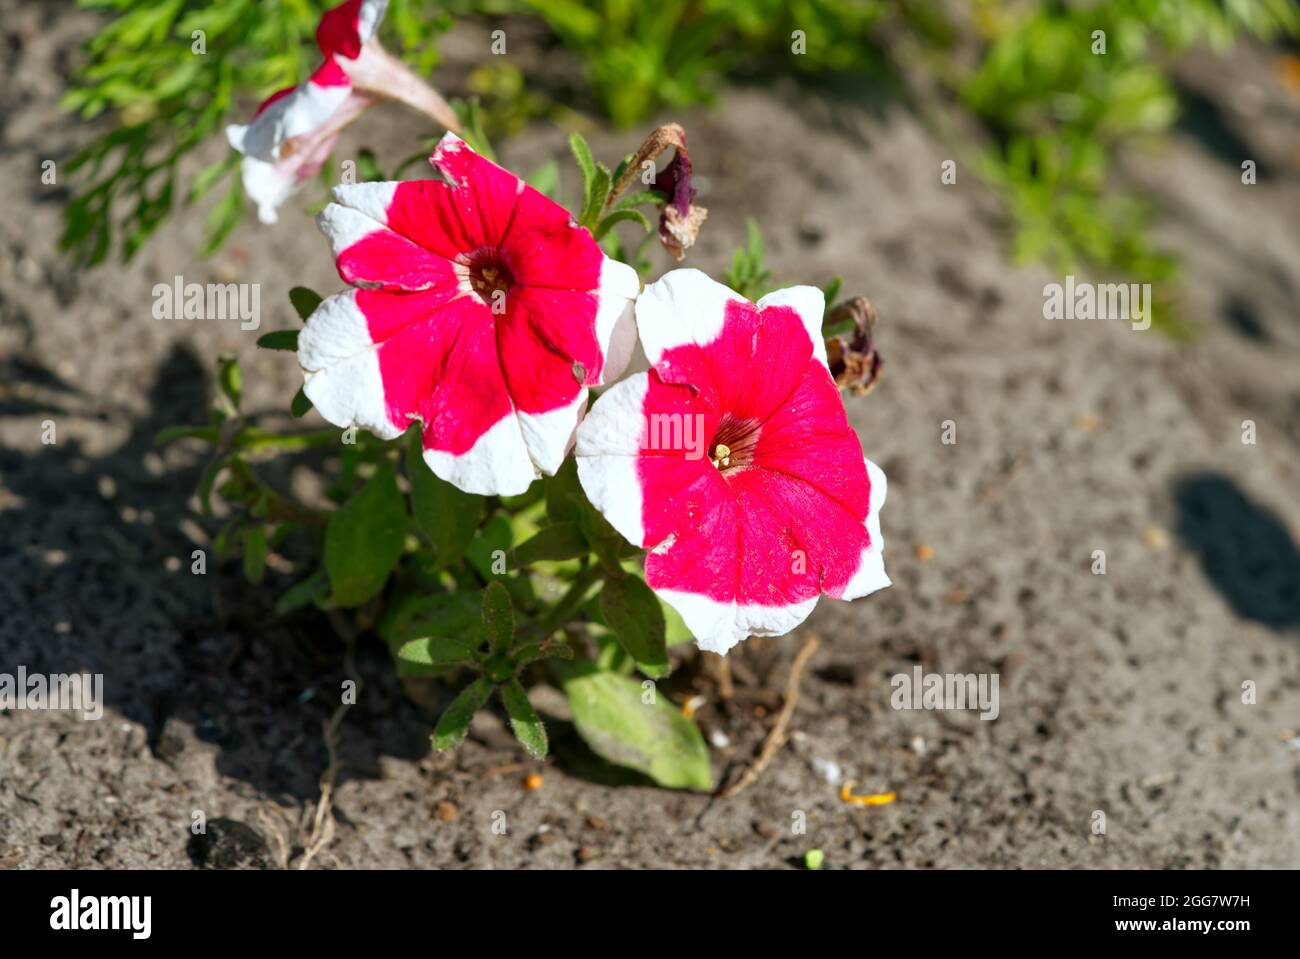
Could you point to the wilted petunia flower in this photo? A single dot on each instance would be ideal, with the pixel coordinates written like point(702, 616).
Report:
point(854, 361)
point(733, 462)
point(481, 309)
point(293, 132)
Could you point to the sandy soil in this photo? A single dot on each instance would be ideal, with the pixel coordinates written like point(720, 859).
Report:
point(1121, 693)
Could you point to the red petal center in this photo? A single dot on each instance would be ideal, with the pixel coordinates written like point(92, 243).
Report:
point(733, 444)
point(489, 276)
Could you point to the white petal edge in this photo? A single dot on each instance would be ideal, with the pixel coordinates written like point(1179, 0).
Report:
point(341, 367)
point(871, 574)
point(718, 626)
point(810, 303)
point(615, 323)
point(607, 449)
point(369, 199)
point(549, 436)
point(682, 306)
point(496, 465)
point(345, 226)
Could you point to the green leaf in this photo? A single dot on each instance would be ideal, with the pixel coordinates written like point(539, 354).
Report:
point(304, 301)
point(443, 513)
point(230, 379)
point(364, 540)
point(437, 651)
point(498, 617)
point(254, 553)
point(582, 153)
point(831, 291)
point(524, 720)
point(645, 197)
point(488, 553)
point(628, 724)
point(597, 193)
point(279, 340)
point(633, 612)
point(409, 616)
point(454, 724)
point(314, 587)
point(300, 405)
point(565, 500)
point(559, 541)
point(619, 216)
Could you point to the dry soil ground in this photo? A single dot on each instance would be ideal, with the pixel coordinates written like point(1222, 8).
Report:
point(1121, 693)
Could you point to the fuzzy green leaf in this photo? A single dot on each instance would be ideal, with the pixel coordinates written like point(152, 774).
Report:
point(524, 720)
point(632, 611)
point(454, 724)
point(437, 651)
point(364, 540)
point(628, 723)
point(559, 541)
point(498, 617)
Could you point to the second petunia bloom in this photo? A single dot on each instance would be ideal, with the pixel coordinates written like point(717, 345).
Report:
point(480, 309)
point(294, 131)
point(732, 461)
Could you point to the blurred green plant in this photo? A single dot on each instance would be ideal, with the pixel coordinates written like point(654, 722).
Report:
point(1061, 87)
point(1055, 110)
point(639, 57)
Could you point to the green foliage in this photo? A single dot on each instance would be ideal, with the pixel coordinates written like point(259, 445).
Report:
point(1058, 108)
point(749, 275)
point(364, 540)
point(1056, 112)
point(627, 723)
point(527, 726)
point(452, 583)
point(632, 611)
point(640, 57)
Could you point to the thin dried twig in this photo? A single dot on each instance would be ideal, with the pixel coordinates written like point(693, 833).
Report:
point(776, 738)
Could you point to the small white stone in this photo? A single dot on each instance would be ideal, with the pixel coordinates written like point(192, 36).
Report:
point(829, 770)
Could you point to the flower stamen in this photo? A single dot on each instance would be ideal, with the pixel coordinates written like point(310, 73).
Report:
point(734, 443)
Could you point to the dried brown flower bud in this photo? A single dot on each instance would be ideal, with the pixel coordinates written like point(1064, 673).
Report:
point(680, 219)
point(854, 361)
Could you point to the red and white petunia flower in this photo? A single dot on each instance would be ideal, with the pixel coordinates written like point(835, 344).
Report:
point(480, 309)
point(294, 131)
point(732, 461)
